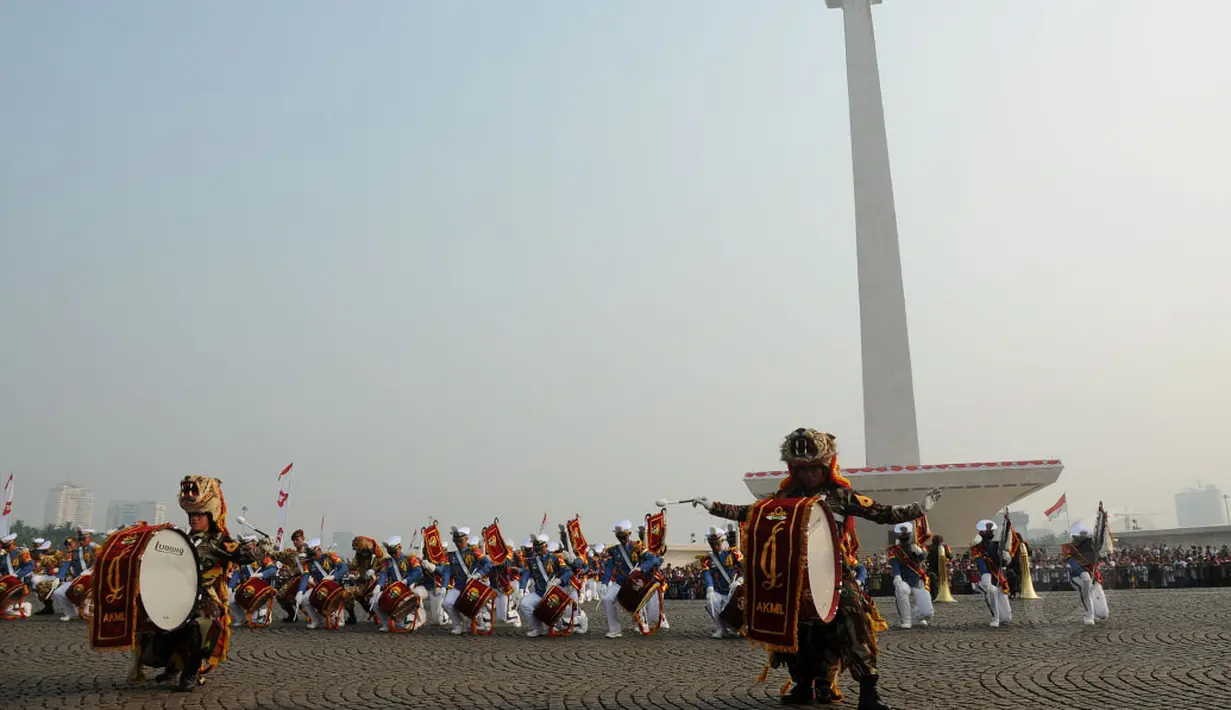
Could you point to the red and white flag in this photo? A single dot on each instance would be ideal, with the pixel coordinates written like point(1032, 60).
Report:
point(1061, 506)
point(284, 493)
point(8, 506)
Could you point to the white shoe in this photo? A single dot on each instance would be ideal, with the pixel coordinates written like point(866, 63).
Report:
point(923, 623)
point(516, 623)
point(66, 618)
point(532, 633)
point(904, 626)
point(995, 624)
point(583, 624)
point(456, 631)
point(717, 634)
point(614, 634)
point(1089, 622)
point(312, 625)
point(665, 625)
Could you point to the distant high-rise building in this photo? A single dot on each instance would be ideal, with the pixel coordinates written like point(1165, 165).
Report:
point(1021, 522)
point(1199, 506)
point(69, 504)
point(122, 513)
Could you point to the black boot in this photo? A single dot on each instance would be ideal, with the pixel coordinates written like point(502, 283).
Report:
point(869, 699)
point(801, 693)
point(827, 695)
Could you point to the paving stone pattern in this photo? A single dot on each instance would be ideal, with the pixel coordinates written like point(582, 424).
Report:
point(1161, 649)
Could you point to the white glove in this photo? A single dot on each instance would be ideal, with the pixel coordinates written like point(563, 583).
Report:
point(474, 575)
point(1006, 558)
point(929, 500)
point(916, 550)
point(553, 583)
point(429, 566)
point(371, 574)
point(701, 501)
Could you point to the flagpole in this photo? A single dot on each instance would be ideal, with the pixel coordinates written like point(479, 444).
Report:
point(1067, 519)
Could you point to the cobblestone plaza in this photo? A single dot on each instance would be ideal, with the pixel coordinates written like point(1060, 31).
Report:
point(1160, 649)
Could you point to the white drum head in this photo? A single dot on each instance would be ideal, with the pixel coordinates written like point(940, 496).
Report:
point(169, 579)
point(824, 566)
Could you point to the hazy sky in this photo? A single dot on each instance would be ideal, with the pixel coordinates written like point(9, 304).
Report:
point(475, 259)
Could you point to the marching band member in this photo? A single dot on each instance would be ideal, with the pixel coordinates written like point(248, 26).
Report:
point(436, 586)
point(17, 561)
point(465, 563)
point(990, 560)
point(265, 568)
point(80, 558)
point(400, 568)
point(1083, 562)
point(594, 573)
point(503, 579)
point(624, 557)
point(720, 569)
point(546, 570)
point(909, 578)
point(812, 463)
point(292, 559)
point(200, 645)
point(321, 566)
point(44, 578)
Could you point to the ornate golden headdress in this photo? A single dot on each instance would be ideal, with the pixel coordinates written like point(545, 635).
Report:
point(201, 494)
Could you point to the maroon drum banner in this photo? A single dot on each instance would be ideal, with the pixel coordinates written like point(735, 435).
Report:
point(775, 571)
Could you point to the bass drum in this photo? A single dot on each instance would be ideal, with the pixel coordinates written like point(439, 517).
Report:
point(169, 579)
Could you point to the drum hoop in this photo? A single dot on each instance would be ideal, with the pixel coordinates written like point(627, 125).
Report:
point(837, 562)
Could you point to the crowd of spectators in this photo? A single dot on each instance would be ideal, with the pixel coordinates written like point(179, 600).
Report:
point(1157, 567)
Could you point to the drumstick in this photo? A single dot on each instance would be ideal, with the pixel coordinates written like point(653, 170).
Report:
point(243, 521)
point(663, 502)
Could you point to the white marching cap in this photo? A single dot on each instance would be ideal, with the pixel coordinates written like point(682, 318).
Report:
point(462, 530)
point(314, 542)
point(598, 549)
point(39, 541)
point(508, 543)
point(541, 538)
point(393, 541)
point(553, 547)
point(44, 545)
point(87, 531)
point(1080, 528)
point(714, 532)
point(622, 526)
point(8, 538)
point(984, 525)
point(528, 542)
point(904, 527)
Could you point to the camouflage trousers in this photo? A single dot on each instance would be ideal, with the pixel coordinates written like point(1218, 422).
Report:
point(847, 642)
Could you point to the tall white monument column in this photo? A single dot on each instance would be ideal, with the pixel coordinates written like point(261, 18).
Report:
point(891, 432)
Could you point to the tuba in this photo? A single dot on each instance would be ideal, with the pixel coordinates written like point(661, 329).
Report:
point(1027, 583)
point(942, 575)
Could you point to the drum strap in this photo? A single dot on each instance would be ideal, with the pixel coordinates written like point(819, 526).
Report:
point(397, 569)
point(461, 560)
point(627, 561)
point(721, 568)
point(538, 562)
point(8, 564)
point(320, 569)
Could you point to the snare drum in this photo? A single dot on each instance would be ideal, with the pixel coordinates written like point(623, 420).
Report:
point(397, 600)
point(636, 591)
point(253, 594)
point(327, 597)
point(552, 606)
point(473, 597)
point(79, 592)
point(12, 591)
